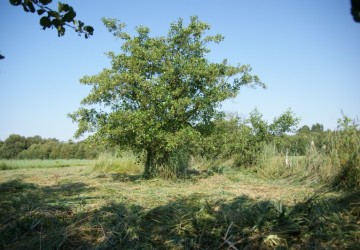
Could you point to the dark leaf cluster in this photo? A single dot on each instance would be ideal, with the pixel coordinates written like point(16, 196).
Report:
point(63, 17)
point(355, 10)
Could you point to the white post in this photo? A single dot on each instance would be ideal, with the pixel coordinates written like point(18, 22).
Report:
point(287, 163)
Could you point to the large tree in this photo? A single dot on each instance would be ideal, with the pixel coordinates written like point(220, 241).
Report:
point(160, 93)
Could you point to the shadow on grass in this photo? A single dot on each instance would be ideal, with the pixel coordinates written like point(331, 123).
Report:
point(117, 177)
point(190, 174)
point(30, 220)
point(33, 216)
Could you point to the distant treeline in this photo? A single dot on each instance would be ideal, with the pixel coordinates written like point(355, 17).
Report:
point(20, 147)
point(229, 137)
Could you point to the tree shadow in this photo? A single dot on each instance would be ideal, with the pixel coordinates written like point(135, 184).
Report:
point(30, 219)
point(199, 222)
point(117, 177)
point(32, 216)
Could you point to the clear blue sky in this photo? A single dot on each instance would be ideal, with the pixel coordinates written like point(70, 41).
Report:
point(306, 51)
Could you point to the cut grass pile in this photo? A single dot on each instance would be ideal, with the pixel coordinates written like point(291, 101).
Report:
point(78, 208)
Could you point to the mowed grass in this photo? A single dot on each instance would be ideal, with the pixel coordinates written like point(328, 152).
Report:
point(82, 208)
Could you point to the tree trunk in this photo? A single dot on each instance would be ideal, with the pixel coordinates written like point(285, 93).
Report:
point(150, 164)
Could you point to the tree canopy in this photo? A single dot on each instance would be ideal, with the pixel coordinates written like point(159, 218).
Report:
point(160, 93)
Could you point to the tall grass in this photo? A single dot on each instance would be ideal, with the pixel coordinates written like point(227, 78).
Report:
point(346, 149)
point(123, 163)
point(315, 167)
point(336, 163)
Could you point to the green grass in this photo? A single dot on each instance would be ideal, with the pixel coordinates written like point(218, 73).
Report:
point(81, 208)
point(26, 164)
point(126, 162)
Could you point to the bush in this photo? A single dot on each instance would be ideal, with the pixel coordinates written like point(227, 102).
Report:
point(346, 143)
point(349, 176)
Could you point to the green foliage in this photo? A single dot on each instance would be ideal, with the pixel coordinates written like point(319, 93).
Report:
point(286, 123)
point(12, 146)
point(243, 140)
point(259, 135)
point(227, 136)
point(64, 16)
point(161, 93)
point(20, 147)
point(317, 128)
point(304, 129)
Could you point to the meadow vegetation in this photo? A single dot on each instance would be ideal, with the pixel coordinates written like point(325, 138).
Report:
point(281, 199)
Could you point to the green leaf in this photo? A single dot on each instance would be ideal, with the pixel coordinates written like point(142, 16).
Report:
point(61, 30)
point(80, 24)
point(16, 2)
point(45, 2)
point(63, 7)
point(69, 16)
point(31, 7)
point(45, 22)
point(54, 14)
point(60, 7)
point(89, 29)
point(57, 23)
point(25, 7)
point(41, 11)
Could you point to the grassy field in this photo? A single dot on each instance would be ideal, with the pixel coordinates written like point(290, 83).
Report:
point(21, 164)
point(81, 208)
